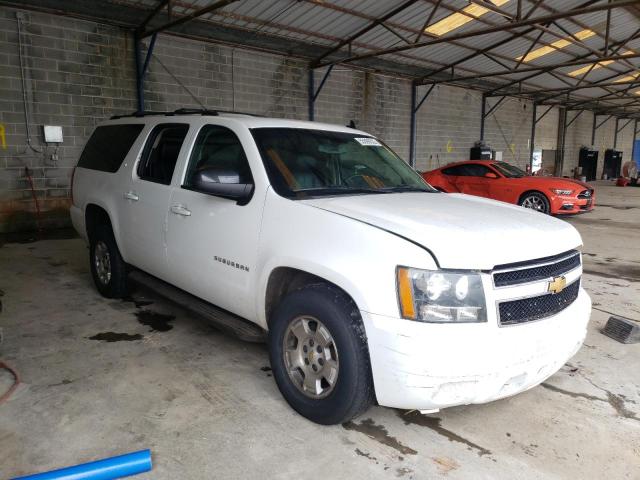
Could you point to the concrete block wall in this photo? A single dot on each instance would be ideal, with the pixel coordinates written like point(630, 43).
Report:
point(78, 73)
point(508, 129)
point(547, 129)
point(448, 124)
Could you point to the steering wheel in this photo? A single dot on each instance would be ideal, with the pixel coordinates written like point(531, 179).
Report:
point(366, 175)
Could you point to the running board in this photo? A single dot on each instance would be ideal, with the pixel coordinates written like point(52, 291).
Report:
point(219, 318)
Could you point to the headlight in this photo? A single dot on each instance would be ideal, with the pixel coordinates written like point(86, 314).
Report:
point(441, 297)
point(559, 191)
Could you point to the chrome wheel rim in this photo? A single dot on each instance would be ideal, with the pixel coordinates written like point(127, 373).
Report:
point(534, 203)
point(102, 262)
point(311, 357)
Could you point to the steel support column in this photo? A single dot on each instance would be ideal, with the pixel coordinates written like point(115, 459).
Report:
point(413, 130)
point(310, 92)
point(615, 135)
point(141, 67)
point(633, 145)
point(482, 116)
point(562, 120)
point(534, 121)
point(313, 93)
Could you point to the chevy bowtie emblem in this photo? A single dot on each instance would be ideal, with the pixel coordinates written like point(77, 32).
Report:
point(557, 285)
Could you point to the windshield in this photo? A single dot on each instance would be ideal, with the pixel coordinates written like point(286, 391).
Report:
point(302, 163)
point(509, 171)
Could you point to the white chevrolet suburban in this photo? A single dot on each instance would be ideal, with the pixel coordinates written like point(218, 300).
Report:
point(368, 284)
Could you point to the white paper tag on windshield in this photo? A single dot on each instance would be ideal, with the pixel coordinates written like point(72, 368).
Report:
point(368, 141)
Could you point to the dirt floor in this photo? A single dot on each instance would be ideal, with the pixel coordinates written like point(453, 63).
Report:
point(103, 377)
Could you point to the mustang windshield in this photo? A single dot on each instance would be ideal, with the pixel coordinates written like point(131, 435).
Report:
point(303, 162)
point(509, 171)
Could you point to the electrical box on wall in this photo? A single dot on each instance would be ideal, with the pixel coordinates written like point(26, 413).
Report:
point(52, 134)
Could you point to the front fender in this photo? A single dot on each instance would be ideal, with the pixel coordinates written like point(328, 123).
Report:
point(357, 257)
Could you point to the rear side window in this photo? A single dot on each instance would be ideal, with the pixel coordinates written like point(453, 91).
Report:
point(108, 146)
point(451, 171)
point(161, 152)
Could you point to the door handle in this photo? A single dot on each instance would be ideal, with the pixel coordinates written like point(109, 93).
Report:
point(131, 196)
point(180, 210)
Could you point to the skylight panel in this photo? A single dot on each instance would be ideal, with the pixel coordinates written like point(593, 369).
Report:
point(458, 19)
point(557, 45)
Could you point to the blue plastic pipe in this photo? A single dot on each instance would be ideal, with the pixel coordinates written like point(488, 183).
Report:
point(107, 469)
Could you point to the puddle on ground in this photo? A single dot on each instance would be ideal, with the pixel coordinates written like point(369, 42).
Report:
point(138, 302)
point(617, 402)
point(617, 207)
point(116, 337)
point(30, 237)
point(416, 418)
point(380, 434)
point(630, 273)
point(159, 322)
point(57, 263)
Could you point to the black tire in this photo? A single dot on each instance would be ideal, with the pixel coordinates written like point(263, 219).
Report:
point(352, 392)
point(99, 239)
point(535, 201)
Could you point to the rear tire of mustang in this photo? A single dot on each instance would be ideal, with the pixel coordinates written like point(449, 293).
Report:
point(319, 355)
point(108, 269)
point(535, 201)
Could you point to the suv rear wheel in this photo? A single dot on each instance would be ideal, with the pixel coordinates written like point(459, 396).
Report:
point(108, 269)
point(319, 355)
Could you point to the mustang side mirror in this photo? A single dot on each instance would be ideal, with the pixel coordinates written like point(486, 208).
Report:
point(222, 183)
point(490, 175)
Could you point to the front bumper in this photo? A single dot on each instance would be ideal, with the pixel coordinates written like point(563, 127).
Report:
point(571, 205)
point(432, 366)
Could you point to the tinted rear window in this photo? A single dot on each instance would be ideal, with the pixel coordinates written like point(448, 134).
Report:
point(108, 146)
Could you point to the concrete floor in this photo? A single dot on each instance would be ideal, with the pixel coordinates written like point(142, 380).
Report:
point(207, 407)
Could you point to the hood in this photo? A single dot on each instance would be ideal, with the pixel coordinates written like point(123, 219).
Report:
point(556, 182)
point(462, 231)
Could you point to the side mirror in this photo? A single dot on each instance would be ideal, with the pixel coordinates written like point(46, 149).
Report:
point(222, 183)
point(490, 175)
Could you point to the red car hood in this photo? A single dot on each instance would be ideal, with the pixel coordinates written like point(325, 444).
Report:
point(553, 182)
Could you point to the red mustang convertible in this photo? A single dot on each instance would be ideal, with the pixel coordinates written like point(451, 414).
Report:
point(501, 181)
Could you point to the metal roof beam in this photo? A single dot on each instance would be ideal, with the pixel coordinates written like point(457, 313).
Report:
point(179, 21)
point(482, 51)
point(484, 31)
point(156, 10)
point(428, 20)
point(378, 21)
point(546, 69)
point(551, 68)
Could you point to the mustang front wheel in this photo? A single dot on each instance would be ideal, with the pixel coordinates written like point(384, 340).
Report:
point(535, 201)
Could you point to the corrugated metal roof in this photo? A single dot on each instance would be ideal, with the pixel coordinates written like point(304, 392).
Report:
point(327, 22)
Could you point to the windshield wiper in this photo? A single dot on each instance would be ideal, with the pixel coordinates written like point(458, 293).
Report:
point(338, 190)
point(407, 188)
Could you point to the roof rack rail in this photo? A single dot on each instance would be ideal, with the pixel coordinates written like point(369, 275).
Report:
point(137, 114)
point(182, 111)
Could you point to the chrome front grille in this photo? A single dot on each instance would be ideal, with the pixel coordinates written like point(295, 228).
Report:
point(524, 289)
point(535, 308)
point(585, 194)
point(536, 270)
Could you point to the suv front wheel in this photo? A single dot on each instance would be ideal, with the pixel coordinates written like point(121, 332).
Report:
point(319, 355)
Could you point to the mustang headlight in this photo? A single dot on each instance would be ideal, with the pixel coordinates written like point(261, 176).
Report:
point(560, 191)
point(441, 297)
